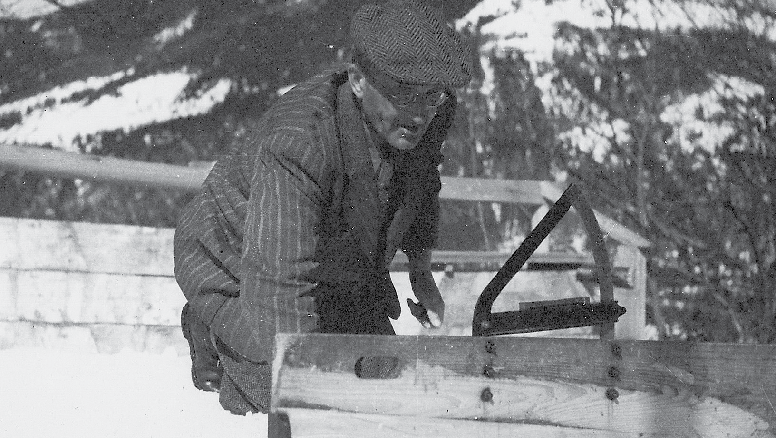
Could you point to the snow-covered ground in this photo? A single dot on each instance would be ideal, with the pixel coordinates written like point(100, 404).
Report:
point(48, 393)
point(74, 392)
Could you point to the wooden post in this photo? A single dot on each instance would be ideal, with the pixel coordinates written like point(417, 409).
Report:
point(632, 324)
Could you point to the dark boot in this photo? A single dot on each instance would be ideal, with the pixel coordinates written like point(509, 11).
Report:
point(206, 369)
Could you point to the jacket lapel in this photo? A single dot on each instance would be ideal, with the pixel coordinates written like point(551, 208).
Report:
point(414, 195)
point(362, 204)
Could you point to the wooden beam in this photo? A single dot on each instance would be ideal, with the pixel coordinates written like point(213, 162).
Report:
point(159, 175)
point(313, 423)
point(93, 338)
point(96, 168)
point(632, 324)
point(89, 298)
point(31, 244)
point(479, 261)
point(629, 387)
point(492, 190)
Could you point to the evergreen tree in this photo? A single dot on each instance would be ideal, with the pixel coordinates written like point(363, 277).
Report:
point(706, 206)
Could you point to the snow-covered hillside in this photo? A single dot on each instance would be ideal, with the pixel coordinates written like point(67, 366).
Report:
point(531, 29)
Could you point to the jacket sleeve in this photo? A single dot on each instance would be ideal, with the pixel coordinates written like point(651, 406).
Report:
point(280, 238)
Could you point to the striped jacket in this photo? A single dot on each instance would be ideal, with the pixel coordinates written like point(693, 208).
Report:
point(294, 205)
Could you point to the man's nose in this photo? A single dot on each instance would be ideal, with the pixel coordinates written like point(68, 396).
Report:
point(419, 113)
point(419, 119)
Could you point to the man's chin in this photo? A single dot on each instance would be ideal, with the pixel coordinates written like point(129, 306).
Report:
point(403, 143)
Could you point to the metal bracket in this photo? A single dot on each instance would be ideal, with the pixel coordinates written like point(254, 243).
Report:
point(551, 315)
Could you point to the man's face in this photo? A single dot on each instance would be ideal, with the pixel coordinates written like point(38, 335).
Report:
point(400, 114)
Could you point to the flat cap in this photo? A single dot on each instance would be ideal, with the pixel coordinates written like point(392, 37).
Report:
point(409, 42)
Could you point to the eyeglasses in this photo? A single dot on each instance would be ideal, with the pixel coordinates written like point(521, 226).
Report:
point(429, 98)
point(404, 96)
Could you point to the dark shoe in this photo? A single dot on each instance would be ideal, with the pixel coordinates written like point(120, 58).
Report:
point(206, 369)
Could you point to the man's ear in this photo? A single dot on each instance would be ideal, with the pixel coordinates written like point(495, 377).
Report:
point(357, 80)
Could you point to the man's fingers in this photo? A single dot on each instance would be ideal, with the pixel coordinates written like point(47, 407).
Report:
point(426, 318)
point(434, 319)
point(416, 309)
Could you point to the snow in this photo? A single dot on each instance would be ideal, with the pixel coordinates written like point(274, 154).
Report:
point(692, 132)
point(531, 29)
point(68, 393)
point(24, 9)
point(151, 99)
point(72, 391)
point(169, 34)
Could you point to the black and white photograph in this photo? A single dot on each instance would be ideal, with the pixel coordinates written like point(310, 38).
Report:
point(387, 218)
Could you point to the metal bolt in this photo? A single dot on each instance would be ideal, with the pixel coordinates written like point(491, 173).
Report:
point(616, 351)
point(612, 394)
point(490, 347)
point(614, 373)
point(488, 371)
point(486, 396)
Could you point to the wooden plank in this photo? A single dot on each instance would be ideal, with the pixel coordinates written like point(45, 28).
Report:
point(159, 175)
point(632, 324)
point(87, 298)
point(93, 338)
point(27, 244)
point(492, 190)
point(634, 387)
point(479, 261)
point(312, 423)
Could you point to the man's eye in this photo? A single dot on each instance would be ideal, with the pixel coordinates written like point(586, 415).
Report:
point(429, 97)
point(435, 98)
point(403, 97)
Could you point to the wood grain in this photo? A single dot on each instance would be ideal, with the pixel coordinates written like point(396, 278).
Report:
point(311, 423)
point(94, 338)
point(28, 244)
point(122, 249)
point(668, 389)
point(89, 298)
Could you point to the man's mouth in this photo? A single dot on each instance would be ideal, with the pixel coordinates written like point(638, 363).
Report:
point(409, 130)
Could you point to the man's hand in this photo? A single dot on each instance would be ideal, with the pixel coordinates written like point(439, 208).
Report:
point(430, 308)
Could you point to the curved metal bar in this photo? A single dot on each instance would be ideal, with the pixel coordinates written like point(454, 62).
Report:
point(571, 196)
point(600, 256)
point(516, 261)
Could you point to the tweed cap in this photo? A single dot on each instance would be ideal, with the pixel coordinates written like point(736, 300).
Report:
point(409, 42)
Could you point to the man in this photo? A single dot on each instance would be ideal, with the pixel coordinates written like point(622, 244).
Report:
point(294, 229)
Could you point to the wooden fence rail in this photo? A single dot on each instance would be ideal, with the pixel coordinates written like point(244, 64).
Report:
point(166, 176)
point(109, 285)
